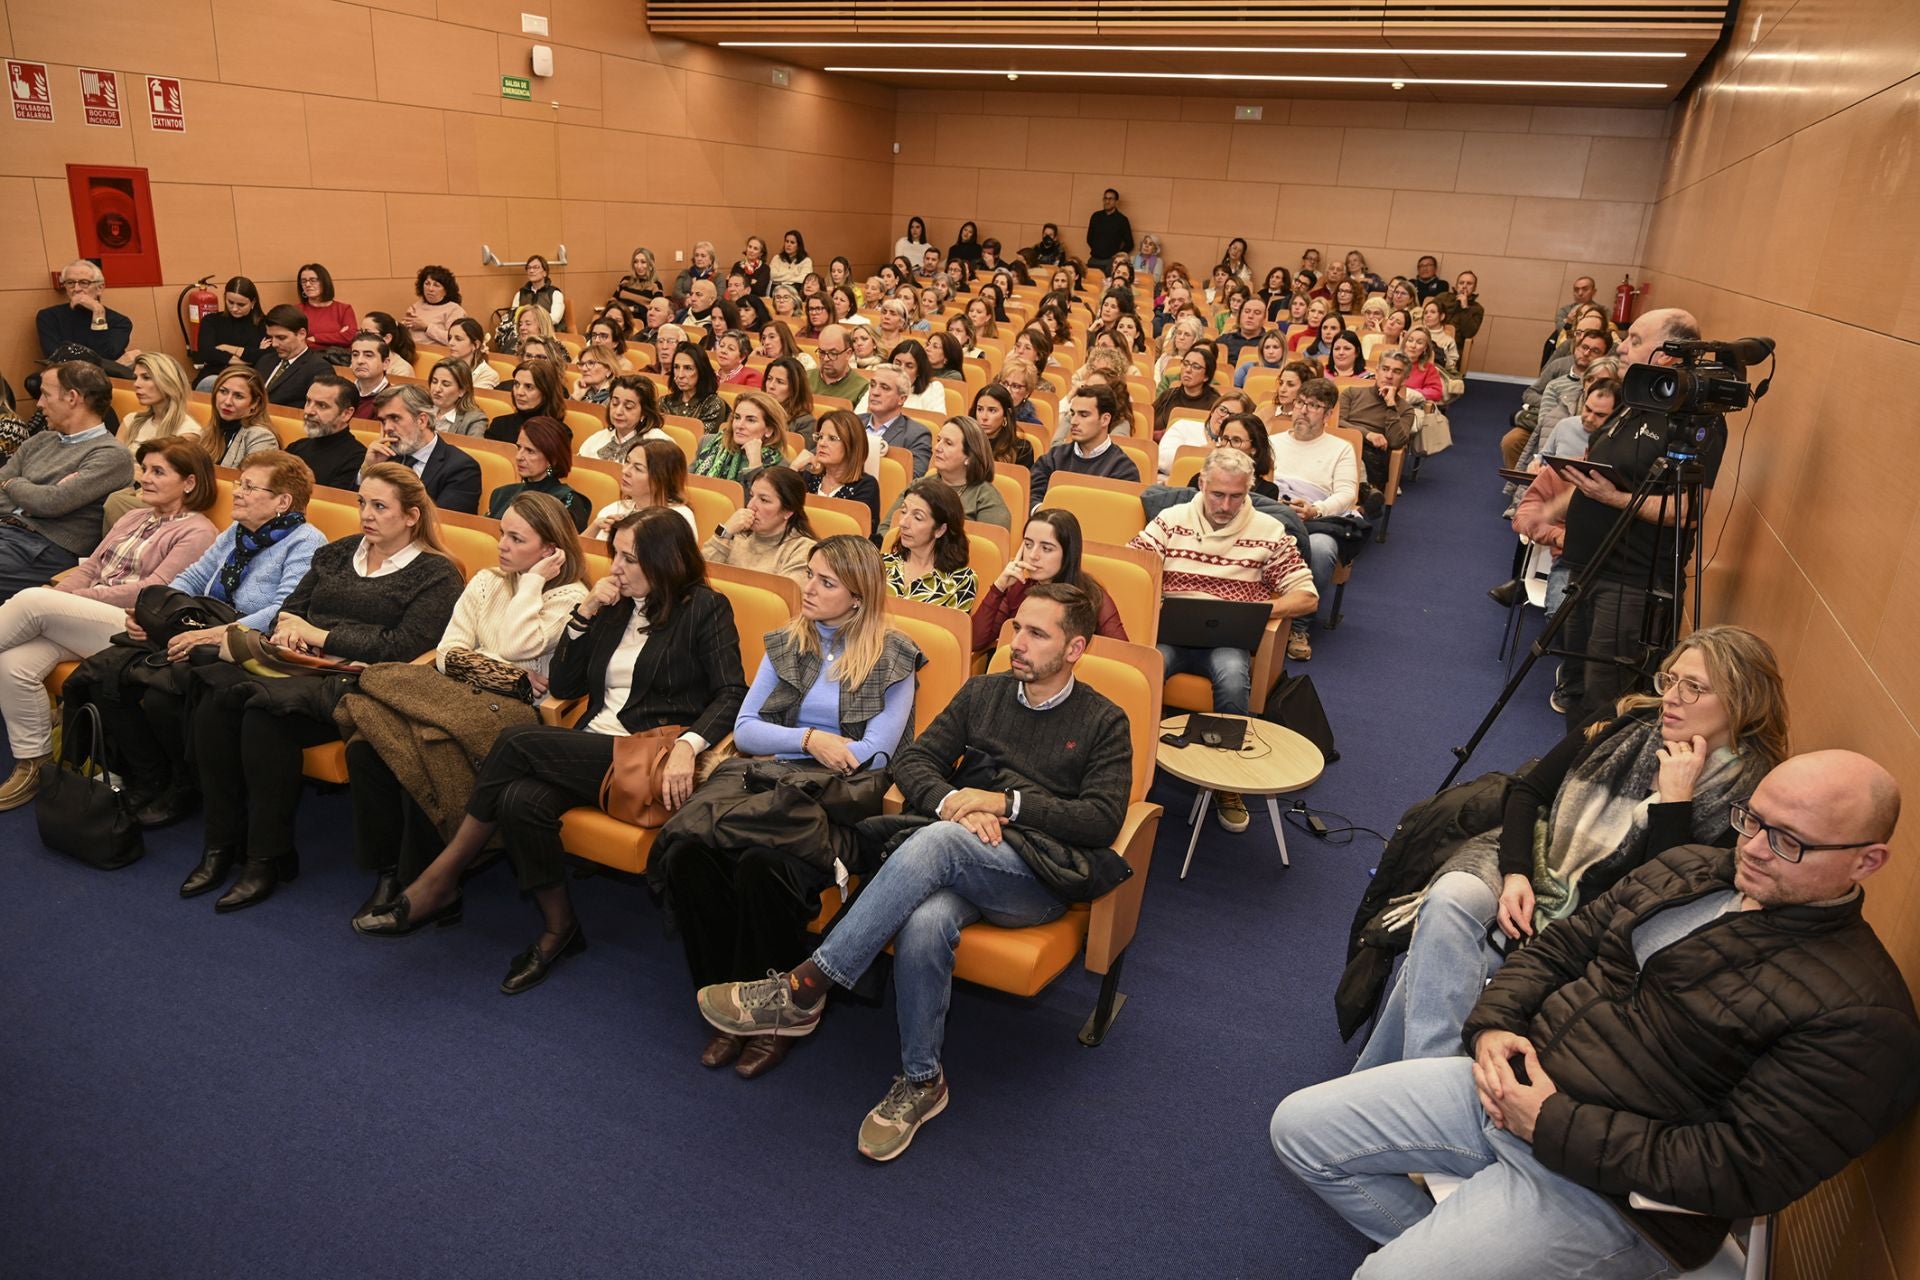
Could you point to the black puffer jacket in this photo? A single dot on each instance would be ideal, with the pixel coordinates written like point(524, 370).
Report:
point(1750, 1060)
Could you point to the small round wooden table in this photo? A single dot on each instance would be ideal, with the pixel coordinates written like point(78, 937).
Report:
point(1273, 761)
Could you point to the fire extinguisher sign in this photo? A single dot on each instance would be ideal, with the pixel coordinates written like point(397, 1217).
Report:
point(31, 88)
point(166, 106)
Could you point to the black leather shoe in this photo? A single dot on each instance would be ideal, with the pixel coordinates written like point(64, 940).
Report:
point(531, 967)
point(167, 808)
point(1506, 593)
point(256, 882)
point(211, 873)
point(395, 919)
point(385, 890)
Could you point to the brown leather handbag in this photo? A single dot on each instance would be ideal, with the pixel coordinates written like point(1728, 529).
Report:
point(630, 792)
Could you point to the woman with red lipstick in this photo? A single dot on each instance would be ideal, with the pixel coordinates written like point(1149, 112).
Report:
point(1662, 772)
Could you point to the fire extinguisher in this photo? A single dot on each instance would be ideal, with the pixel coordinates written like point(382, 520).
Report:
point(1623, 300)
point(197, 302)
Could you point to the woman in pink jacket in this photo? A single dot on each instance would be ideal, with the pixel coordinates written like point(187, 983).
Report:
point(44, 626)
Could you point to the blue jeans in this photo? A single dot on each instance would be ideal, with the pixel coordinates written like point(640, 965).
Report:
point(1231, 671)
point(1323, 557)
point(1354, 1140)
point(1448, 963)
point(941, 880)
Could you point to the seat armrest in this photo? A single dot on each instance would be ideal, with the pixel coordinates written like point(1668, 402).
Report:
point(426, 659)
point(893, 801)
point(560, 713)
point(1269, 663)
point(1115, 916)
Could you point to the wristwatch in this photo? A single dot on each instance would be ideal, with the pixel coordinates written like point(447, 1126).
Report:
point(720, 532)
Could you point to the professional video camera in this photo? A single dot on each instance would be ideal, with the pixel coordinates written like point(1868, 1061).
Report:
point(1710, 378)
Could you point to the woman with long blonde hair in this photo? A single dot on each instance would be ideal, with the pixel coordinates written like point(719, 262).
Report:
point(1662, 771)
point(160, 385)
point(834, 693)
point(755, 437)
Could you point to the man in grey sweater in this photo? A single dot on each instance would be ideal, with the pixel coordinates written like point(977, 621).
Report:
point(1019, 829)
point(53, 490)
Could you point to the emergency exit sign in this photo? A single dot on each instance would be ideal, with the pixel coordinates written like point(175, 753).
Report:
point(516, 87)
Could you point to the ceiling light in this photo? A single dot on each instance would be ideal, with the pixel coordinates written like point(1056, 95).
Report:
point(1249, 76)
point(1343, 51)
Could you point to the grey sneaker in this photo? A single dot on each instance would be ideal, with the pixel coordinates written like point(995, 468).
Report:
point(1231, 811)
point(762, 1008)
point(890, 1126)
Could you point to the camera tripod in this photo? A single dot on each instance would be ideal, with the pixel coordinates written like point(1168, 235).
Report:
point(1677, 482)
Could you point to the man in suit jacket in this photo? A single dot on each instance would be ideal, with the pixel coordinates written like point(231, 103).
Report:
point(886, 394)
point(407, 436)
point(289, 365)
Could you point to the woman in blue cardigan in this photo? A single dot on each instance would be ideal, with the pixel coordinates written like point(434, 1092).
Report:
point(252, 567)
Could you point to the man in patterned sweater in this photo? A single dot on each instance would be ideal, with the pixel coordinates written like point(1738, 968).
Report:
point(1219, 546)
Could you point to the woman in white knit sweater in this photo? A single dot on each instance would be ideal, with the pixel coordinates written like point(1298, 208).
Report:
point(507, 618)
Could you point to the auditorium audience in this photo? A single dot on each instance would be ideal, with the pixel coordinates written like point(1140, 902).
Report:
point(928, 561)
point(1719, 1032)
point(1381, 411)
point(652, 474)
point(413, 741)
point(756, 437)
point(252, 565)
point(1026, 836)
point(407, 438)
point(1660, 772)
point(240, 426)
point(771, 533)
point(332, 453)
point(963, 461)
point(538, 392)
point(633, 413)
point(381, 595)
point(84, 319)
point(1091, 414)
point(41, 627)
point(1050, 550)
point(450, 387)
point(836, 463)
point(288, 366)
point(331, 323)
point(540, 291)
point(436, 307)
point(235, 334)
point(1219, 547)
point(542, 458)
point(834, 692)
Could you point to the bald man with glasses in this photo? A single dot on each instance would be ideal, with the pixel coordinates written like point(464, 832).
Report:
point(1717, 1033)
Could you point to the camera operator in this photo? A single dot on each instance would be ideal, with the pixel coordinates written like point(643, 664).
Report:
point(1608, 622)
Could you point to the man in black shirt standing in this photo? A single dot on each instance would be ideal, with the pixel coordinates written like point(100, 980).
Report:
point(1607, 624)
point(1108, 232)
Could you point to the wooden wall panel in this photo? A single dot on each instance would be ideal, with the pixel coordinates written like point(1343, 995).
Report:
point(1786, 209)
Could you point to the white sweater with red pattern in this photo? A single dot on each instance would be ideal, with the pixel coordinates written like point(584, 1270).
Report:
point(1252, 558)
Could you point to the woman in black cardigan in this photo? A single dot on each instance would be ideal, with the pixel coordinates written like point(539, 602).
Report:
point(382, 595)
point(653, 645)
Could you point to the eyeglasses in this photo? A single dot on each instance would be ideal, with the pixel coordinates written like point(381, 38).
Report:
point(76, 284)
point(1785, 845)
point(832, 354)
point(1690, 689)
point(248, 486)
point(595, 364)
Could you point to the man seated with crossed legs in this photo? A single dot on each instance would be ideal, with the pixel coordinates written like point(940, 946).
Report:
point(1018, 829)
point(1718, 1032)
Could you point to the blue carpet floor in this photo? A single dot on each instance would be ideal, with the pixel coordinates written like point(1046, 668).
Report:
point(269, 1095)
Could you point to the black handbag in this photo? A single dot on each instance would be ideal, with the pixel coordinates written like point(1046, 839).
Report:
point(81, 811)
point(1295, 704)
point(164, 612)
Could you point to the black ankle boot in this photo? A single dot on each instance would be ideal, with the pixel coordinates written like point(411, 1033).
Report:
point(385, 890)
point(1506, 593)
point(211, 873)
point(256, 882)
